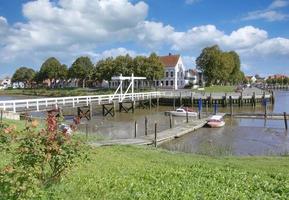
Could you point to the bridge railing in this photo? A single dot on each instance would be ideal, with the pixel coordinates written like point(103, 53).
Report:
point(42, 103)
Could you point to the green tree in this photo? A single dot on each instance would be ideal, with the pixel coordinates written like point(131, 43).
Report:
point(104, 69)
point(53, 70)
point(123, 65)
point(154, 69)
point(82, 68)
point(23, 74)
point(219, 67)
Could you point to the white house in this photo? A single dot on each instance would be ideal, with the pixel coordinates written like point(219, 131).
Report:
point(5, 83)
point(191, 78)
point(174, 72)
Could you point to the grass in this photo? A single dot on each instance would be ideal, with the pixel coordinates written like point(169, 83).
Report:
point(58, 92)
point(126, 172)
point(218, 88)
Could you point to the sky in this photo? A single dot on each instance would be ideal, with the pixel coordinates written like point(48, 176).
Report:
point(33, 30)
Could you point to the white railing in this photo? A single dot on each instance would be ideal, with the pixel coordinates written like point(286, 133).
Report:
point(43, 103)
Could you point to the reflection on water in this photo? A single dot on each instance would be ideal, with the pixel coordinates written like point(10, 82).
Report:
point(238, 137)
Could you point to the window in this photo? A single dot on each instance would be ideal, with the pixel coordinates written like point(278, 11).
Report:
point(167, 83)
point(181, 74)
point(167, 74)
point(172, 83)
point(172, 73)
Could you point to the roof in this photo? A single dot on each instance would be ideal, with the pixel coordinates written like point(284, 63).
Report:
point(170, 60)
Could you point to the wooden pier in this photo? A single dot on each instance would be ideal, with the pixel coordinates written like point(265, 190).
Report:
point(161, 137)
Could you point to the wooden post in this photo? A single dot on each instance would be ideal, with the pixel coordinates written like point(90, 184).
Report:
point(211, 100)
point(132, 106)
point(285, 121)
point(181, 99)
point(192, 100)
point(135, 129)
point(146, 125)
point(174, 102)
point(171, 120)
point(187, 115)
point(265, 108)
point(253, 100)
point(90, 111)
point(156, 125)
point(231, 105)
point(272, 97)
point(150, 102)
point(200, 107)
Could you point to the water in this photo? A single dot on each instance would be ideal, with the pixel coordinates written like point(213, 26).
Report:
point(238, 137)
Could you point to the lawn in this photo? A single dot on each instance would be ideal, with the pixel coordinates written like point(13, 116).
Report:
point(59, 92)
point(146, 173)
point(218, 88)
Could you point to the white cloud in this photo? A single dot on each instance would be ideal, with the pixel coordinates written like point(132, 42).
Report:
point(270, 13)
point(191, 1)
point(279, 4)
point(4, 29)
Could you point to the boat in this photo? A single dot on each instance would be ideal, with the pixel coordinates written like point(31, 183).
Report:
point(183, 112)
point(216, 121)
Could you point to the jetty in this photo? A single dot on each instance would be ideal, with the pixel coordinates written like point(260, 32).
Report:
point(158, 137)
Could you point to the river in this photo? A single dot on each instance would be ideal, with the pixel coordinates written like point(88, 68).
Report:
point(238, 137)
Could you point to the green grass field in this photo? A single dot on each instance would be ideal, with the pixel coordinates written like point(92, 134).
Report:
point(145, 173)
point(218, 88)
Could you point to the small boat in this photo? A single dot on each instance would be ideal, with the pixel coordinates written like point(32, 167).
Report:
point(183, 112)
point(216, 121)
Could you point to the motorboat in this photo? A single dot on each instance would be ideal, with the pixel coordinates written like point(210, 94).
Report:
point(183, 112)
point(216, 121)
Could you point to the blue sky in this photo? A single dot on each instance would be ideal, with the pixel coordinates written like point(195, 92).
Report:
point(31, 31)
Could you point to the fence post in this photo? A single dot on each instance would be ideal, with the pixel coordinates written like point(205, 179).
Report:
point(1, 117)
point(156, 134)
point(285, 121)
point(86, 131)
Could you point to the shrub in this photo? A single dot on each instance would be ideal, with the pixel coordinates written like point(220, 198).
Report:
point(39, 159)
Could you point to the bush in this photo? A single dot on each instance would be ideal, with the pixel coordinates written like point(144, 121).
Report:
point(38, 159)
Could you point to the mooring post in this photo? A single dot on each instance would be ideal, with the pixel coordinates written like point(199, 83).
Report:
point(135, 128)
point(132, 106)
point(156, 125)
point(171, 120)
point(174, 102)
point(253, 100)
point(231, 105)
point(272, 97)
point(146, 125)
point(215, 108)
point(187, 115)
point(200, 107)
point(285, 121)
point(181, 99)
point(192, 100)
point(90, 111)
point(265, 107)
point(150, 102)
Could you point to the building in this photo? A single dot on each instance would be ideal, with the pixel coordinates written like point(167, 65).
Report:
point(277, 76)
point(174, 77)
point(251, 79)
point(191, 78)
point(5, 83)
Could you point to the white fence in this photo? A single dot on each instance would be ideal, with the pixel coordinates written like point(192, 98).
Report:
point(74, 101)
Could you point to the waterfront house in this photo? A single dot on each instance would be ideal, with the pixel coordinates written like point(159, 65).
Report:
point(174, 77)
point(4, 84)
point(277, 76)
point(192, 78)
point(251, 79)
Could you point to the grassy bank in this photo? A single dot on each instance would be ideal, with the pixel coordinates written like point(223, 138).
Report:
point(59, 92)
point(56, 92)
point(218, 88)
point(145, 173)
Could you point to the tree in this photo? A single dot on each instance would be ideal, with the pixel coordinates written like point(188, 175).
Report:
point(208, 63)
point(82, 68)
point(53, 70)
point(23, 74)
point(154, 69)
point(220, 67)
